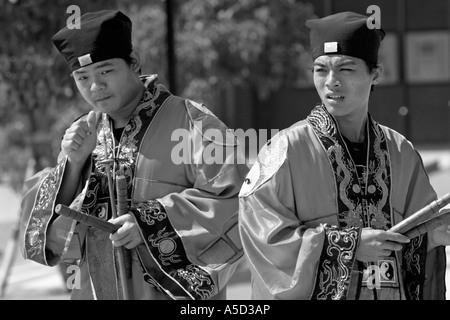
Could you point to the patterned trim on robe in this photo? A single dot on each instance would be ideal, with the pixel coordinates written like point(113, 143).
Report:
point(128, 147)
point(414, 259)
point(132, 136)
point(355, 208)
point(336, 263)
point(98, 192)
point(177, 275)
point(42, 214)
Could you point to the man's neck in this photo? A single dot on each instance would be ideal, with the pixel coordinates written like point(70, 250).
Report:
point(355, 131)
point(353, 127)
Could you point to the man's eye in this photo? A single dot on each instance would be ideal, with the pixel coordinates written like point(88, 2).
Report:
point(346, 69)
point(81, 78)
point(106, 71)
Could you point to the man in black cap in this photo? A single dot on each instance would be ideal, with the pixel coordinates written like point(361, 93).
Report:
point(316, 206)
point(179, 226)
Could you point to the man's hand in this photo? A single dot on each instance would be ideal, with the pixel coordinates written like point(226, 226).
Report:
point(128, 235)
point(80, 139)
point(441, 235)
point(377, 244)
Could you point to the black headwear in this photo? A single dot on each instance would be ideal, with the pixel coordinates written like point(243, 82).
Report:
point(345, 33)
point(103, 35)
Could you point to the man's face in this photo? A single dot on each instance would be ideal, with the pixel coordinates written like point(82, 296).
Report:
point(109, 86)
point(343, 84)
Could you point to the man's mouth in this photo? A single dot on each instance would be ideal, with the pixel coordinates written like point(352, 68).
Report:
point(102, 99)
point(334, 97)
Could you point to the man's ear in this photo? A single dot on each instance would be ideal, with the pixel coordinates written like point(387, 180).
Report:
point(377, 74)
point(135, 61)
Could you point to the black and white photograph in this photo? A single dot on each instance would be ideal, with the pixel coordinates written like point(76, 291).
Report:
point(234, 152)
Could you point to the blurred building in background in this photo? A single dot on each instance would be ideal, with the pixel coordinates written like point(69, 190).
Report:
point(247, 60)
point(414, 97)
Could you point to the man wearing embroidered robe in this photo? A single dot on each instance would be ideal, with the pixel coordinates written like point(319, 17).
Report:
point(180, 233)
point(316, 206)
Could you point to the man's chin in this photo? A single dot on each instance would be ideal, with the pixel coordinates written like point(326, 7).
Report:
point(103, 106)
point(336, 112)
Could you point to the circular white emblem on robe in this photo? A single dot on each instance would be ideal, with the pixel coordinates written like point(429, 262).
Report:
point(269, 160)
point(166, 246)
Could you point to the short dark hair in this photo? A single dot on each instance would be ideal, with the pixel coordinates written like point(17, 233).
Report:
point(129, 60)
point(371, 67)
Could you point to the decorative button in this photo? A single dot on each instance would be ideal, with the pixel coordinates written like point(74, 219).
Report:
point(166, 246)
point(371, 189)
point(356, 188)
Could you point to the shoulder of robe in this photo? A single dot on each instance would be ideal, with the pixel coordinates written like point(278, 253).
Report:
point(209, 125)
point(395, 138)
point(271, 157)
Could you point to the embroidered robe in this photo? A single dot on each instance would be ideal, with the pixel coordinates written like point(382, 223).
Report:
point(186, 208)
point(304, 202)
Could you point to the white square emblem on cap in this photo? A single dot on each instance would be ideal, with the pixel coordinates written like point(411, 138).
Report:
point(330, 47)
point(85, 60)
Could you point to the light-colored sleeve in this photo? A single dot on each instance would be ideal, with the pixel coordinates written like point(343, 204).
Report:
point(424, 271)
point(45, 237)
point(287, 259)
point(192, 245)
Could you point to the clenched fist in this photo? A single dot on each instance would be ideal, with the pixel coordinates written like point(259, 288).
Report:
point(80, 139)
point(378, 244)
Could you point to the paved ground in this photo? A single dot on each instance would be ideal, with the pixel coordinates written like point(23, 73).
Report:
point(30, 281)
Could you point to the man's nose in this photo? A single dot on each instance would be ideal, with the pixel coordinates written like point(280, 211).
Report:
point(333, 80)
point(97, 84)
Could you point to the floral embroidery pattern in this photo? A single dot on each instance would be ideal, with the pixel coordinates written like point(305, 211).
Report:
point(371, 209)
point(124, 155)
point(166, 246)
point(355, 210)
point(411, 257)
point(414, 265)
point(336, 263)
point(168, 250)
point(37, 227)
point(41, 214)
point(90, 198)
point(362, 198)
point(48, 187)
point(150, 211)
point(198, 279)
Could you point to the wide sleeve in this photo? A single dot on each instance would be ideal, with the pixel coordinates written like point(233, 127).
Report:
point(45, 237)
point(192, 245)
point(287, 258)
point(424, 272)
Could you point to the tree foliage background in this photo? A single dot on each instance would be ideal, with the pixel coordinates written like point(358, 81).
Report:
point(261, 44)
